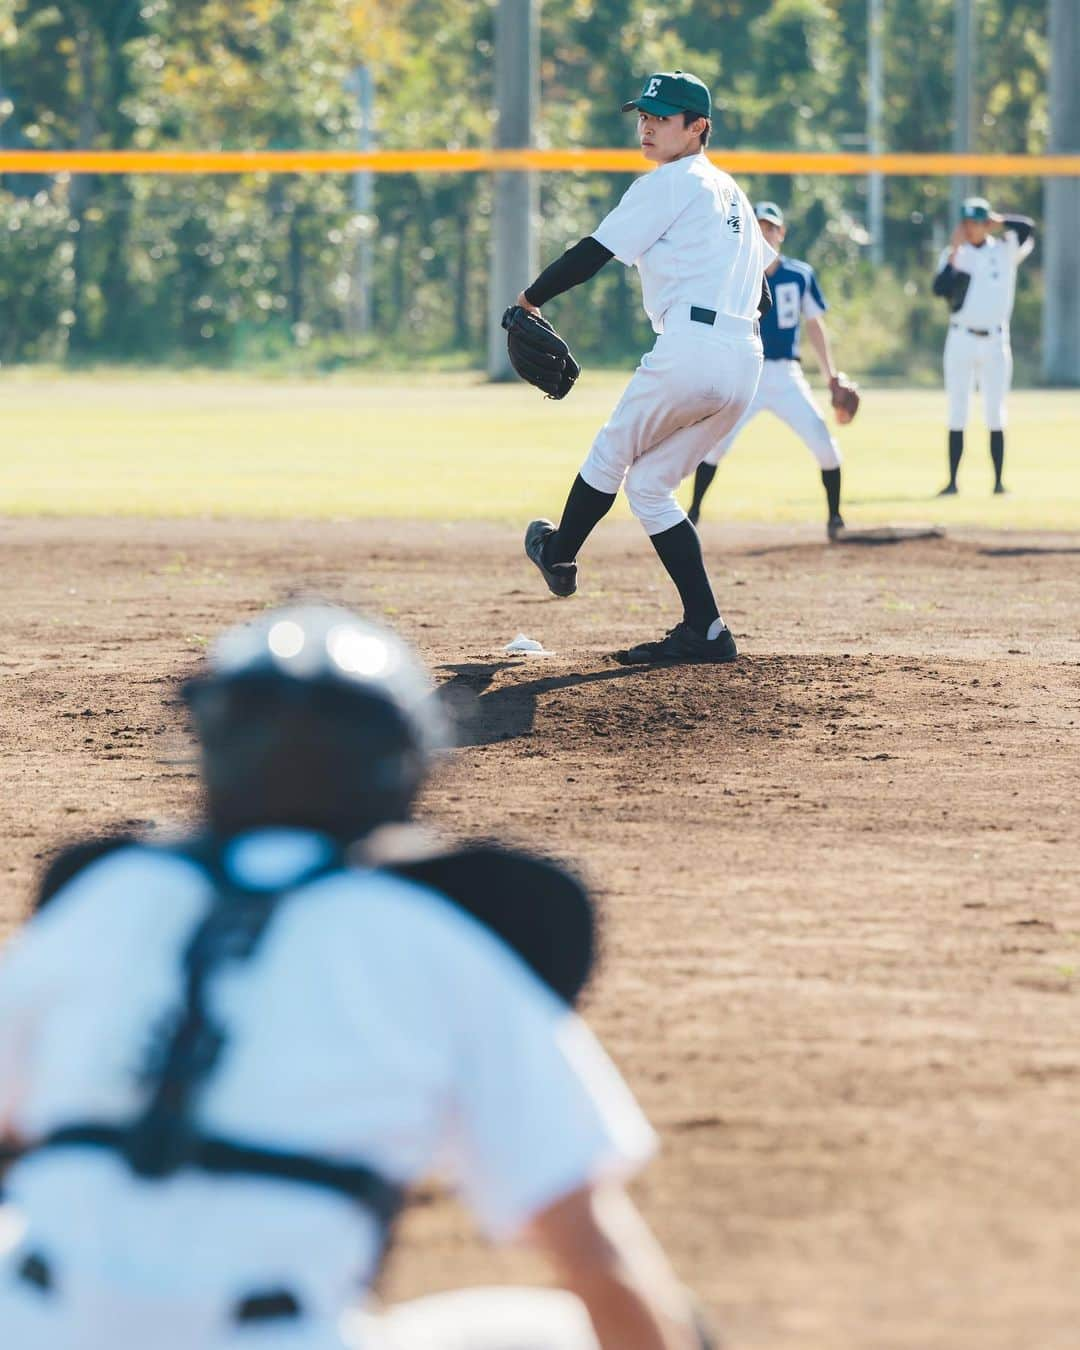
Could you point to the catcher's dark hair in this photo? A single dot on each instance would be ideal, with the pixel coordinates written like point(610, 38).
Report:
point(689, 117)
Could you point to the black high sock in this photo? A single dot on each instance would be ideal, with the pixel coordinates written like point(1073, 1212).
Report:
point(956, 451)
point(584, 508)
point(679, 549)
point(831, 479)
point(997, 454)
point(702, 478)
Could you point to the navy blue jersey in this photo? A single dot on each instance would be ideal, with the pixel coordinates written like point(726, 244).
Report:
point(796, 295)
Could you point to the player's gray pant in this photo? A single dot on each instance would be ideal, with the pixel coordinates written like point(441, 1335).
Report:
point(686, 395)
point(985, 361)
point(783, 389)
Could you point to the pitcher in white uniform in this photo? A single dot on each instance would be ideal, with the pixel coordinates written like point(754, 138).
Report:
point(691, 233)
point(223, 1060)
point(977, 276)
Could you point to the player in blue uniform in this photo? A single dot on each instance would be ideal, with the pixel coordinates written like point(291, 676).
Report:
point(783, 388)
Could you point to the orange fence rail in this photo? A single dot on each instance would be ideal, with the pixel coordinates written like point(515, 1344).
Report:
point(483, 161)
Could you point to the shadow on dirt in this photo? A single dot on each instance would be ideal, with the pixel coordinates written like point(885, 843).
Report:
point(481, 715)
point(873, 537)
point(1021, 552)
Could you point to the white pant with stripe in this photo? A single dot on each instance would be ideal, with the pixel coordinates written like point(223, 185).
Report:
point(974, 360)
point(784, 391)
point(686, 394)
point(469, 1319)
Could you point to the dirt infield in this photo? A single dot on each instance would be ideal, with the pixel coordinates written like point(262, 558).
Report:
point(842, 955)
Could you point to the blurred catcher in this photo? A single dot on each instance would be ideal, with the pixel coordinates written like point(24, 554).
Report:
point(224, 1060)
point(783, 389)
point(977, 276)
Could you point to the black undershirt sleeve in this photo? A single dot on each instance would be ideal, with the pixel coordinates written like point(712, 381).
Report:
point(945, 281)
point(576, 265)
point(1022, 226)
point(765, 303)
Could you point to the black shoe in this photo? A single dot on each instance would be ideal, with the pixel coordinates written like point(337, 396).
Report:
point(561, 578)
point(682, 646)
point(949, 490)
point(1000, 490)
point(835, 527)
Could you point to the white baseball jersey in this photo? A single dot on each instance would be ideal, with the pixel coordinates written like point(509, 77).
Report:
point(992, 267)
point(691, 232)
point(375, 1023)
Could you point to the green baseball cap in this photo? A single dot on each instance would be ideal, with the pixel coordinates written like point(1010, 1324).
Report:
point(975, 208)
point(670, 92)
point(769, 211)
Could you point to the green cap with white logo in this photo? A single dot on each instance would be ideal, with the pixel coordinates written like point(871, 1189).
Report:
point(769, 211)
point(671, 92)
point(975, 208)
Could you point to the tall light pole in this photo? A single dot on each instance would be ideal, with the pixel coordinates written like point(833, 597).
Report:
point(517, 195)
point(361, 85)
point(1061, 237)
point(963, 67)
point(874, 139)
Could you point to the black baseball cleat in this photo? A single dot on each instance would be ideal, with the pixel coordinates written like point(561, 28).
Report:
point(561, 578)
point(835, 528)
point(1000, 490)
point(682, 646)
point(949, 490)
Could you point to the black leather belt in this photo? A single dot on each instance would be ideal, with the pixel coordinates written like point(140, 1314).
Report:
point(699, 315)
point(274, 1305)
point(34, 1269)
point(978, 332)
point(266, 1305)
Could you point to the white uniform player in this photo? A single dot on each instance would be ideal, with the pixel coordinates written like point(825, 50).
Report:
point(691, 233)
point(222, 1061)
point(977, 275)
point(783, 389)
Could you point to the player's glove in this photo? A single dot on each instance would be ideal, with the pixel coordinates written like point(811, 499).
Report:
point(538, 353)
point(845, 397)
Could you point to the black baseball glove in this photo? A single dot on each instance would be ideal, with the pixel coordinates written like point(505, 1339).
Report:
point(538, 353)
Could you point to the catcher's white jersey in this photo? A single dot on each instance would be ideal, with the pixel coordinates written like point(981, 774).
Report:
point(692, 234)
point(376, 1022)
point(992, 268)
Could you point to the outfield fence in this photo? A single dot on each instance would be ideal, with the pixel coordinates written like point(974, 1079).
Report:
point(533, 160)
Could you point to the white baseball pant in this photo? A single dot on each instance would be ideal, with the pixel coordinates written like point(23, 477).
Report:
point(687, 393)
point(473, 1319)
point(985, 361)
point(483, 1319)
point(783, 389)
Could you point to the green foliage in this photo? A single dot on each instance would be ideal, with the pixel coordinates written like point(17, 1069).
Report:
point(235, 269)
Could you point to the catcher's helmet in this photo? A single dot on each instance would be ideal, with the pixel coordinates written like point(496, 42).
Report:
point(311, 716)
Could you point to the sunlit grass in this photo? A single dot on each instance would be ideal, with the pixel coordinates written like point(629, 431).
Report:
point(454, 447)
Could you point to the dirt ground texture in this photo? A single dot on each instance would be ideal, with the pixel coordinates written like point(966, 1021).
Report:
point(842, 924)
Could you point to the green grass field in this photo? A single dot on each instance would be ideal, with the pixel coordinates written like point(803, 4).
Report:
point(452, 447)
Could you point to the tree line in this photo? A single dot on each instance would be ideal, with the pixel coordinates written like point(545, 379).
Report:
point(257, 268)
